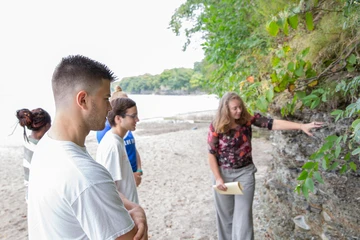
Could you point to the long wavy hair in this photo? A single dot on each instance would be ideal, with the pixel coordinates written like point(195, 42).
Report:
point(222, 118)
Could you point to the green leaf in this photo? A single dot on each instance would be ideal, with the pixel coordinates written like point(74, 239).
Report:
point(356, 151)
point(352, 166)
point(356, 122)
point(345, 138)
point(305, 191)
point(331, 138)
point(297, 189)
point(301, 62)
point(286, 48)
point(338, 140)
point(275, 61)
point(304, 53)
point(318, 177)
point(270, 94)
point(272, 28)
point(337, 151)
point(326, 146)
point(351, 59)
point(347, 157)
point(311, 97)
point(316, 155)
point(303, 175)
point(293, 21)
point(300, 71)
point(274, 77)
point(262, 104)
point(333, 166)
point(291, 66)
point(343, 169)
point(286, 28)
point(350, 68)
point(301, 94)
point(283, 113)
point(309, 183)
point(308, 165)
point(316, 167)
point(324, 164)
point(310, 73)
point(309, 21)
point(323, 98)
point(315, 103)
point(336, 112)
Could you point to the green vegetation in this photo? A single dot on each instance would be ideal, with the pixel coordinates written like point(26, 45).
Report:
point(177, 80)
point(308, 50)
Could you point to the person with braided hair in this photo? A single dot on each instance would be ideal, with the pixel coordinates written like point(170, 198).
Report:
point(39, 122)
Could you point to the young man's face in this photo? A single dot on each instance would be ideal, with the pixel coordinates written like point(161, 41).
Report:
point(100, 106)
point(130, 119)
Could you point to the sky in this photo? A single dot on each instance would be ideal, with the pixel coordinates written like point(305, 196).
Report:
point(130, 37)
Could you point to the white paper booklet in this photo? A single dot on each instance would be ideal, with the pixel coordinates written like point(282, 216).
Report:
point(232, 188)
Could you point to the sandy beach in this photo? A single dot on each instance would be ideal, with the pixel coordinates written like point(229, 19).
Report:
point(176, 187)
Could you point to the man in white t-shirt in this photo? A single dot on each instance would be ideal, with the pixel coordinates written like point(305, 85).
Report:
point(111, 152)
point(71, 196)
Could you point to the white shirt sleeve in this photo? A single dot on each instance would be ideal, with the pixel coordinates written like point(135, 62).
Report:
point(101, 212)
point(109, 158)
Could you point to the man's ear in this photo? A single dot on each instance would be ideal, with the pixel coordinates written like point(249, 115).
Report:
point(82, 99)
point(117, 119)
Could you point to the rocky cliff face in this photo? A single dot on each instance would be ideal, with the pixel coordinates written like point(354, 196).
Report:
point(332, 212)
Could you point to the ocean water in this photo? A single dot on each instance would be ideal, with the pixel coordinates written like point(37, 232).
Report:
point(149, 107)
point(159, 106)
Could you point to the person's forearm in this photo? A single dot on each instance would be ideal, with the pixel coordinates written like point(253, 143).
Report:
point(214, 166)
point(127, 203)
point(138, 160)
point(285, 125)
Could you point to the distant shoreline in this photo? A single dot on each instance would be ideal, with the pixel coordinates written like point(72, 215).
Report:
point(197, 116)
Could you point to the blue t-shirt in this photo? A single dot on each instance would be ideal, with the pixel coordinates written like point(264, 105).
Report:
point(129, 141)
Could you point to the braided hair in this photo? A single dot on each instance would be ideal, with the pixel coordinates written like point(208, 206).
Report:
point(34, 120)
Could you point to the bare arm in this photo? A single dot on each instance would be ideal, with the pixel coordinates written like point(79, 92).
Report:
point(287, 125)
point(215, 170)
point(137, 175)
point(138, 215)
point(138, 160)
point(128, 236)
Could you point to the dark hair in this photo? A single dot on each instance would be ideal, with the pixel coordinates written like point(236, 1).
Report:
point(34, 120)
point(119, 107)
point(81, 71)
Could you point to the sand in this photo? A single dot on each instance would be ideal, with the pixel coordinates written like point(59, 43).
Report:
point(176, 187)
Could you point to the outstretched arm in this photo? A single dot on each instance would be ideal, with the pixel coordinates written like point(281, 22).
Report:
point(287, 125)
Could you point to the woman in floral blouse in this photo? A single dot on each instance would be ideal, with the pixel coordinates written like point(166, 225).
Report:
point(230, 159)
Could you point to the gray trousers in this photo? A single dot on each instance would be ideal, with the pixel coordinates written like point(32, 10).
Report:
point(234, 212)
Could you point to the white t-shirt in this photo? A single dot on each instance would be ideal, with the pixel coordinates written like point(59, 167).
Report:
point(111, 153)
point(71, 196)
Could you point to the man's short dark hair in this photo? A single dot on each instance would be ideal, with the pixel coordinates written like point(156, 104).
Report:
point(77, 70)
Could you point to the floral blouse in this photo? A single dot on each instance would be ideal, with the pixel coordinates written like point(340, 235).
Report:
point(233, 148)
